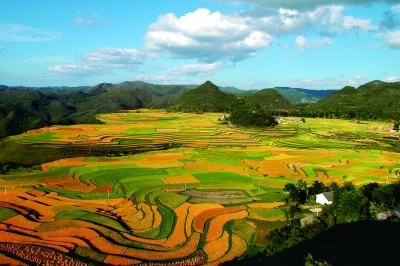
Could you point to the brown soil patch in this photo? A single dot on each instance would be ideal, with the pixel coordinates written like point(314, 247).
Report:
point(105, 188)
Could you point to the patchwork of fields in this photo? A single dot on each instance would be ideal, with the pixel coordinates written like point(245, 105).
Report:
point(204, 199)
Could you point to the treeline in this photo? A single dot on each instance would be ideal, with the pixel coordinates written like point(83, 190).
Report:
point(350, 204)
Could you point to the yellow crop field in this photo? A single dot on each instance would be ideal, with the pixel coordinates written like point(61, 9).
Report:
point(217, 248)
point(265, 205)
point(180, 179)
point(178, 235)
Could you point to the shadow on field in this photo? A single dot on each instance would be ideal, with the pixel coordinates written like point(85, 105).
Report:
point(361, 243)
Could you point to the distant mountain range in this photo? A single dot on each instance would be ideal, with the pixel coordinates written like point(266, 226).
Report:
point(24, 108)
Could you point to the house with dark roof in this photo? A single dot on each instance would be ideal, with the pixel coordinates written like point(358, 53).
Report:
point(325, 198)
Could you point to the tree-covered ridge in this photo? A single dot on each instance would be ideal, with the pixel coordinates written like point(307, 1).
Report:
point(373, 100)
point(270, 99)
point(205, 98)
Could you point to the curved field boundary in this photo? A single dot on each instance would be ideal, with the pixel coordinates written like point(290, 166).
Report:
point(178, 235)
point(216, 225)
point(202, 218)
point(217, 248)
point(237, 247)
point(183, 251)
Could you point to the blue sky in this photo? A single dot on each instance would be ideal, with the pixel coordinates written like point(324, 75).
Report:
point(249, 44)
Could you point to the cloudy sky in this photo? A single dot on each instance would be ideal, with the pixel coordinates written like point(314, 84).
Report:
point(249, 44)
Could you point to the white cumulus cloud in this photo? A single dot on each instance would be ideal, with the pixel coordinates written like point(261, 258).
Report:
point(196, 69)
point(213, 36)
point(206, 36)
point(104, 60)
point(391, 79)
point(392, 39)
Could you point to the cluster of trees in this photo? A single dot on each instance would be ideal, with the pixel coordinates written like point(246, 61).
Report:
point(350, 203)
point(339, 113)
point(251, 114)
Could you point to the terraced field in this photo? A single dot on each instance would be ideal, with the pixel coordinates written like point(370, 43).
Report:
point(208, 195)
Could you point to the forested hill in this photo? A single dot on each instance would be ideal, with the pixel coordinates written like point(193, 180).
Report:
point(22, 109)
point(376, 99)
point(205, 98)
point(270, 99)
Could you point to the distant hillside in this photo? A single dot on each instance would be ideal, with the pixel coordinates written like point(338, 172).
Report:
point(293, 95)
point(205, 98)
point(297, 95)
point(270, 99)
point(166, 101)
point(376, 99)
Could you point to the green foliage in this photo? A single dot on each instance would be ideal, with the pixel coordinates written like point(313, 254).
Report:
point(167, 224)
point(310, 261)
point(373, 100)
point(172, 200)
point(6, 213)
point(246, 114)
point(270, 99)
point(205, 98)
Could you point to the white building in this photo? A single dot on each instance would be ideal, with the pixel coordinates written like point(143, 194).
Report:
point(325, 198)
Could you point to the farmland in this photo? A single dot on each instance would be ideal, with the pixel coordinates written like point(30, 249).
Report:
point(171, 187)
